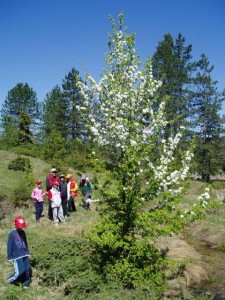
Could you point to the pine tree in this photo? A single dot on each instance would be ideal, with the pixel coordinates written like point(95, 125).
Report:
point(207, 123)
point(75, 123)
point(55, 113)
point(19, 115)
point(171, 63)
point(24, 128)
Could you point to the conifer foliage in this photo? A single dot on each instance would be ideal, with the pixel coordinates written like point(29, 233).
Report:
point(172, 64)
point(206, 121)
point(74, 122)
point(19, 115)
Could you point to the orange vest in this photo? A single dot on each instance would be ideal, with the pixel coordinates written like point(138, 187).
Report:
point(73, 188)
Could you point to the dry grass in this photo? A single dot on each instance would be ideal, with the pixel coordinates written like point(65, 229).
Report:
point(211, 235)
point(195, 274)
point(179, 250)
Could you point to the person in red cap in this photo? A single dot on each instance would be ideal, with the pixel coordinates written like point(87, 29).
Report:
point(54, 196)
point(52, 177)
point(18, 253)
point(37, 195)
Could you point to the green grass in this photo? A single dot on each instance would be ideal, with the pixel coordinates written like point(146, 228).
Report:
point(44, 238)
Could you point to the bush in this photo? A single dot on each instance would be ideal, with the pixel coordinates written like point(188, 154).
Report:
point(21, 195)
point(20, 164)
point(4, 206)
point(60, 259)
point(218, 184)
point(29, 150)
point(86, 284)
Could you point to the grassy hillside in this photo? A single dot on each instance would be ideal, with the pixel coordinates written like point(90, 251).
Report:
point(37, 234)
point(62, 267)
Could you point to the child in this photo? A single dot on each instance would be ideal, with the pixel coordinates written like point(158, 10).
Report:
point(56, 203)
point(18, 252)
point(37, 195)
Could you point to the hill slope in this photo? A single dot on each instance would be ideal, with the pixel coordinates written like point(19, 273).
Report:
point(61, 255)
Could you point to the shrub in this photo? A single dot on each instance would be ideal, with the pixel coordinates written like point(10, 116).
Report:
point(60, 259)
point(86, 284)
point(79, 173)
point(4, 206)
point(29, 150)
point(218, 184)
point(21, 195)
point(20, 164)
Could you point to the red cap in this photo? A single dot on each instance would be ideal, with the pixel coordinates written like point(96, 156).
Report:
point(38, 181)
point(20, 222)
point(55, 183)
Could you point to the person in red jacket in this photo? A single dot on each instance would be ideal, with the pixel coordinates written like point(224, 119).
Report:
point(51, 178)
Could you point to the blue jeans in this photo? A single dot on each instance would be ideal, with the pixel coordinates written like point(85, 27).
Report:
point(21, 272)
point(39, 209)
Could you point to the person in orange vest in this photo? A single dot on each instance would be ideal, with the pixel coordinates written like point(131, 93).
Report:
point(72, 191)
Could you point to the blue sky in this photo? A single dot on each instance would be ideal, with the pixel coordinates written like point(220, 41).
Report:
point(41, 41)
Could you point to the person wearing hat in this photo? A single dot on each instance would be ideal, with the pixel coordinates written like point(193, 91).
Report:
point(63, 190)
point(86, 189)
point(18, 253)
point(72, 191)
point(37, 195)
point(56, 203)
point(52, 177)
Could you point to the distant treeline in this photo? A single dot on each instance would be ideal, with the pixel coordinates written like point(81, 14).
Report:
point(56, 127)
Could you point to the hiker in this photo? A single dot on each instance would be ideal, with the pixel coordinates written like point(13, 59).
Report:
point(37, 195)
point(63, 190)
point(72, 191)
point(18, 253)
point(86, 189)
point(52, 177)
point(56, 203)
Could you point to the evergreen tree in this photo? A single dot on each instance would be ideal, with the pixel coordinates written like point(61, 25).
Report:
point(54, 146)
point(207, 123)
point(171, 63)
point(75, 123)
point(55, 113)
point(19, 114)
point(24, 128)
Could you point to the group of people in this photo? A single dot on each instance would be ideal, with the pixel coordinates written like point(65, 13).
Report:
point(61, 192)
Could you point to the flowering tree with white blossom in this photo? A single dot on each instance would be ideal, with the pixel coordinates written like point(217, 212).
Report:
point(145, 164)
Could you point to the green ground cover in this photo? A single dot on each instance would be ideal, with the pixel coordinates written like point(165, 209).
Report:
point(62, 265)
